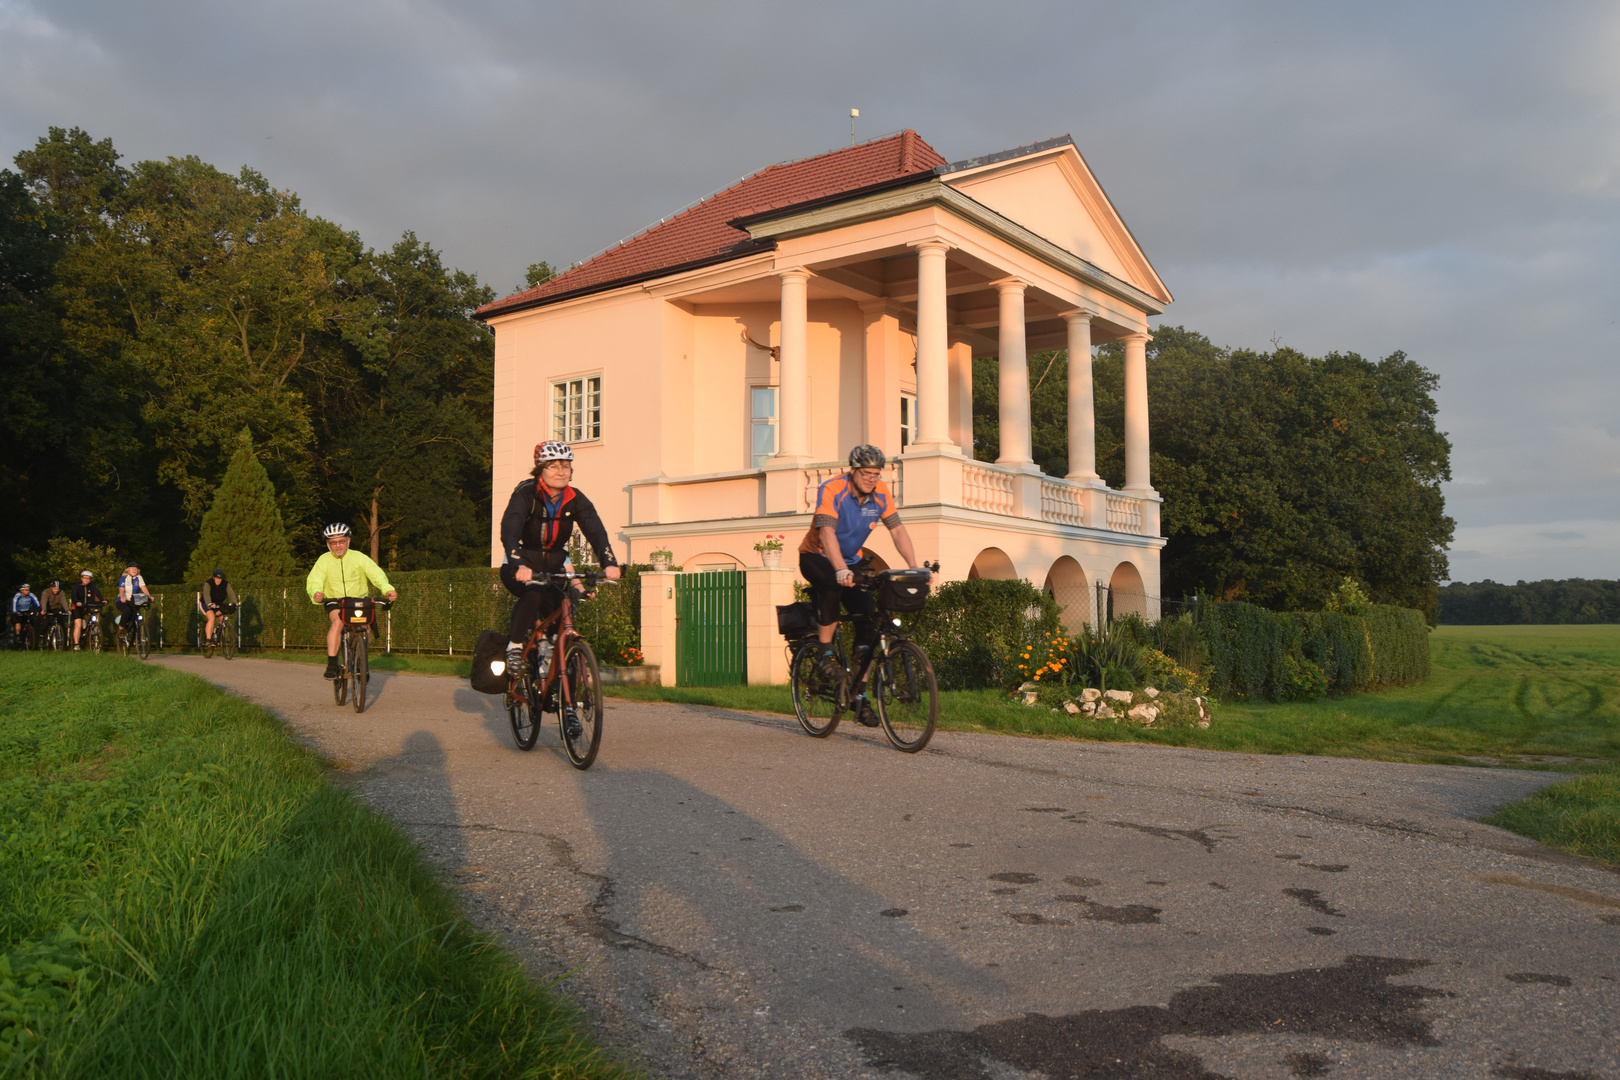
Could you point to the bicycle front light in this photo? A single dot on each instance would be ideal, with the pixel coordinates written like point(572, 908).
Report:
point(895, 621)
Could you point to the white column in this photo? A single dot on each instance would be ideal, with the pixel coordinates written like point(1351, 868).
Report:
point(933, 364)
point(1082, 408)
point(1137, 481)
point(1013, 382)
point(793, 412)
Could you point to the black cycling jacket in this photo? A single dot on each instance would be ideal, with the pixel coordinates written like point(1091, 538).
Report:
point(529, 526)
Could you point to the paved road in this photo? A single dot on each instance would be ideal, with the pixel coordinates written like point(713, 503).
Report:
point(727, 897)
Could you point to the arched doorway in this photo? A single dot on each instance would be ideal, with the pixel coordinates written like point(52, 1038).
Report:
point(1067, 584)
point(711, 560)
point(992, 563)
point(1126, 591)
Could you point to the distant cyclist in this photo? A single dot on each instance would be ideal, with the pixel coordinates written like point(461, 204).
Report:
point(55, 600)
point(24, 606)
point(130, 586)
point(848, 508)
point(85, 597)
point(216, 594)
point(539, 519)
point(337, 574)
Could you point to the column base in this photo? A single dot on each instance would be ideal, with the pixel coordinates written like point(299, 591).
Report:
point(1086, 479)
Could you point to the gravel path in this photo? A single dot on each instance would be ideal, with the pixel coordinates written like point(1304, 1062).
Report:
point(727, 897)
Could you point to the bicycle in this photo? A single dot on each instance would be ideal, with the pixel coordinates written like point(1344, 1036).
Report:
point(90, 627)
point(28, 637)
point(354, 675)
point(57, 634)
point(223, 638)
point(138, 636)
point(902, 688)
point(572, 683)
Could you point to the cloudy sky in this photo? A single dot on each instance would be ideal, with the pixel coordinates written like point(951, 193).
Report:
point(1441, 178)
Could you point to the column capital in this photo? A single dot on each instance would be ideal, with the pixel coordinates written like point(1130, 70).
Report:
point(1010, 284)
point(1137, 338)
point(794, 273)
point(880, 306)
point(1078, 315)
point(929, 246)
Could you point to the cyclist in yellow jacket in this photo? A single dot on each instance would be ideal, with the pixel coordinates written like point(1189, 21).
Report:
point(337, 574)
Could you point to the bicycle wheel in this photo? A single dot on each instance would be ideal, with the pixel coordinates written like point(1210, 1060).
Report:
point(92, 627)
point(815, 702)
point(143, 639)
point(226, 629)
point(31, 637)
point(362, 670)
point(583, 687)
point(210, 642)
point(907, 696)
point(523, 715)
point(54, 638)
point(340, 685)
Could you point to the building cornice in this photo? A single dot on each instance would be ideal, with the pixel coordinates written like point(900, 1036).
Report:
point(779, 226)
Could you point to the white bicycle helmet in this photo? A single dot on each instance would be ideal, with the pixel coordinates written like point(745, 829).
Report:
point(337, 528)
point(553, 450)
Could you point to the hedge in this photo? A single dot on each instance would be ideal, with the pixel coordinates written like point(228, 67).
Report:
point(438, 611)
point(972, 630)
point(1290, 656)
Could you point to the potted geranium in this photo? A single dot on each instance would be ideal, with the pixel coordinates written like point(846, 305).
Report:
point(661, 558)
point(770, 549)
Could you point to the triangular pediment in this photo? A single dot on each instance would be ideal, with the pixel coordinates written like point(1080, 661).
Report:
point(1049, 190)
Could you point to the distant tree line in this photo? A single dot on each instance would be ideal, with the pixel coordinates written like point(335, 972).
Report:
point(1282, 474)
point(150, 315)
point(1487, 603)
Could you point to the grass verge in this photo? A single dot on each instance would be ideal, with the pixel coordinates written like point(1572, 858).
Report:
point(183, 894)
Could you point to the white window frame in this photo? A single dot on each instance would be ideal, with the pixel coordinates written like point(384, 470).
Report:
point(908, 420)
point(576, 408)
point(774, 421)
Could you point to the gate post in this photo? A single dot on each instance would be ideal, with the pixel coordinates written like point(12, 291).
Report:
point(658, 623)
point(767, 651)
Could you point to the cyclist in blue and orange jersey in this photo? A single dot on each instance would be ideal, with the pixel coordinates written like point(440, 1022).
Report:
point(535, 529)
point(848, 508)
point(337, 574)
point(85, 595)
point(24, 606)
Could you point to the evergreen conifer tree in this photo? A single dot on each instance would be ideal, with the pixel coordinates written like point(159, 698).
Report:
point(242, 529)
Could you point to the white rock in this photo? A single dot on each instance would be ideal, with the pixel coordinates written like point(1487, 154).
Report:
point(1071, 708)
point(1203, 723)
point(1090, 693)
point(1144, 713)
point(1032, 698)
point(1105, 713)
point(1025, 688)
point(1122, 696)
point(1150, 692)
point(1089, 708)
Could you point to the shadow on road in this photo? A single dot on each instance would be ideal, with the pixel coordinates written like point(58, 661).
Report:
point(420, 773)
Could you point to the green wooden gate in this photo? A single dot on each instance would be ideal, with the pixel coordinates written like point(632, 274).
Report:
point(710, 629)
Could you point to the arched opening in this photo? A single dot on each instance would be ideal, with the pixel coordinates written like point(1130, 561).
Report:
point(992, 563)
point(1066, 582)
point(1127, 594)
point(711, 560)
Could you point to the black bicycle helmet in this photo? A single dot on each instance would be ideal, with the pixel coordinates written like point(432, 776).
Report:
point(866, 456)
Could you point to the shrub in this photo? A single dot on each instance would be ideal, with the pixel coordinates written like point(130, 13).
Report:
point(1399, 639)
point(972, 630)
point(1339, 645)
point(1297, 656)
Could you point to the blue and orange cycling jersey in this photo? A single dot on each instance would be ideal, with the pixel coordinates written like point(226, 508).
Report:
point(852, 517)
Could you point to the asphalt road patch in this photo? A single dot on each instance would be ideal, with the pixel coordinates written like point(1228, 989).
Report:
point(1537, 977)
point(1197, 836)
point(1313, 900)
point(1354, 1001)
point(1128, 915)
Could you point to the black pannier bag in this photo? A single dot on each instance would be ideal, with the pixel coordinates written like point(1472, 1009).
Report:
point(903, 590)
point(490, 646)
point(796, 622)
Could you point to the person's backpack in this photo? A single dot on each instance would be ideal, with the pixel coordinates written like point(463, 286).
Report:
point(490, 647)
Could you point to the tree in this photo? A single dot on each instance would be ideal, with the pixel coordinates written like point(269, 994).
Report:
point(538, 274)
point(242, 530)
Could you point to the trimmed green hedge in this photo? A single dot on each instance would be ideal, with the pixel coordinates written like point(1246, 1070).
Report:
point(972, 630)
point(1294, 656)
point(438, 611)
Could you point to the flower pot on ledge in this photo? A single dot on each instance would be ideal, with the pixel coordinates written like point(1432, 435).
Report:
point(771, 559)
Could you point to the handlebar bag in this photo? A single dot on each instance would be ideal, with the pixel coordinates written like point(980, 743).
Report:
point(359, 611)
point(903, 590)
point(140, 599)
point(490, 646)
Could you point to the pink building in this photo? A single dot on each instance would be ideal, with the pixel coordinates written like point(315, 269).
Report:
point(713, 370)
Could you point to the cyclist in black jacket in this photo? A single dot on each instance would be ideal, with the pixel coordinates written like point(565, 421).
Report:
point(85, 595)
point(535, 529)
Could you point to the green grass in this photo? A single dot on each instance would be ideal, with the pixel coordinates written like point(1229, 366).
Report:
point(183, 894)
point(1538, 697)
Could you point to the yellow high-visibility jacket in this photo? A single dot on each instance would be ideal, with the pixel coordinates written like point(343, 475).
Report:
point(337, 578)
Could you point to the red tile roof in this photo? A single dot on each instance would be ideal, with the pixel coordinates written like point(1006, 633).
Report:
point(703, 233)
